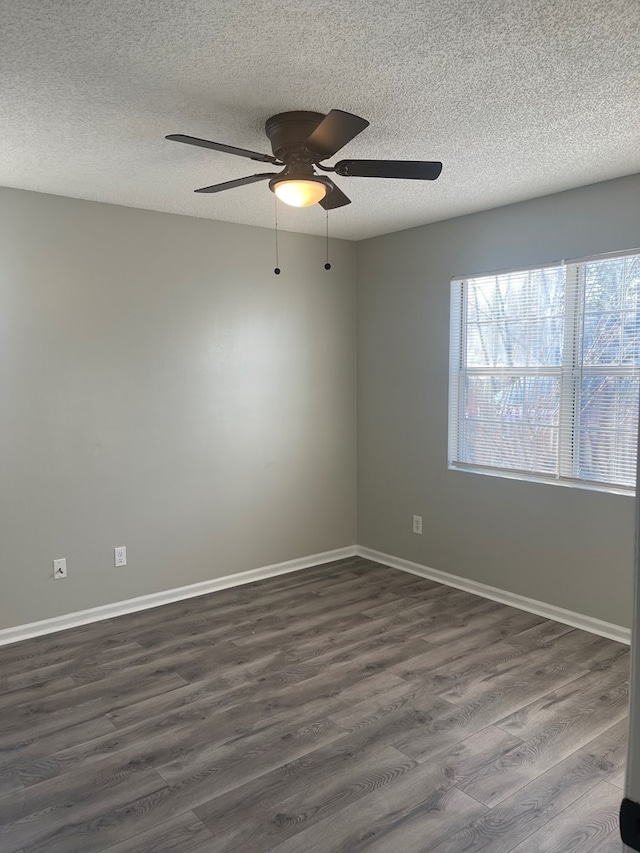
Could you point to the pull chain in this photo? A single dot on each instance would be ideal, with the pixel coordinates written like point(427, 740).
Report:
point(327, 266)
point(275, 203)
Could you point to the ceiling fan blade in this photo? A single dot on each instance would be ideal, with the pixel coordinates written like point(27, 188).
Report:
point(333, 199)
point(218, 146)
point(413, 170)
point(239, 182)
point(335, 130)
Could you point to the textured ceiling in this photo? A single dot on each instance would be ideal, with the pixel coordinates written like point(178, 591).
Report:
point(518, 98)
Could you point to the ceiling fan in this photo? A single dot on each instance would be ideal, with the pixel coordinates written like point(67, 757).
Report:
point(300, 142)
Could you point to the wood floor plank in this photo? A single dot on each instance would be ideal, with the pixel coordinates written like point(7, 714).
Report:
point(440, 597)
point(442, 776)
point(619, 732)
point(341, 634)
point(577, 699)
point(433, 614)
point(554, 739)
point(59, 651)
point(164, 736)
point(10, 782)
point(183, 702)
point(544, 634)
point(405, 695)
point(164, 657)
point(484, 671)
point(298, 795)
point(20, 653)
point(68, 665)
point(456, 678)
point(31, 819)
point(445, 728)
point(346, 630)
point(216, 771)
point(81, 704)
point(225, 606)
point(347, 708)
point(277, 745)
point(29, 746)
point(273, 694)
point(431, 657)
point(265, 632)
point(411, 815)
point(531, 808)
point(618, 778)
point(340, 666)
point(469, 623)
point(109, 755)
point(216, 619)
point(184, 834)
point(296, 660)
point(601, 654)
point(380, 581)
point(611, 843)
point(583, 826)
point(516, 624)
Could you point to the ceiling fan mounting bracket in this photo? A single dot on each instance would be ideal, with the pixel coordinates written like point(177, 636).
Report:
point(288, 132)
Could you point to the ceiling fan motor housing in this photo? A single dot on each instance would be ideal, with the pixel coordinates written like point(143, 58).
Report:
point(288, 132)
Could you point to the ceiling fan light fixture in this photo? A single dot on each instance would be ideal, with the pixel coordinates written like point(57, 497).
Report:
point(299, 192)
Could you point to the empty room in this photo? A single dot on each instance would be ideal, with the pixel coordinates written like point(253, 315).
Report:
point(319, 391)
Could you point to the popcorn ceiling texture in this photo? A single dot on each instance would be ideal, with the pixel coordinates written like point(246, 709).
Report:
point(518, 98)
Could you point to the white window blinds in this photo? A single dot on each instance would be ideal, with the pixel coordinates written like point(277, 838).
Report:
point(545, 372)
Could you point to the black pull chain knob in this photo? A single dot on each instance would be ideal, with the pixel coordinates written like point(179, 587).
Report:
point(277, 270)
point(327, 266)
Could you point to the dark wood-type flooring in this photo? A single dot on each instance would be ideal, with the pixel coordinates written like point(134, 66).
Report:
point(342, 709)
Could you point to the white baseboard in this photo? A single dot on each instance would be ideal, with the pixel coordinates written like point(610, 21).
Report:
point(154, 599)
point(541, 608)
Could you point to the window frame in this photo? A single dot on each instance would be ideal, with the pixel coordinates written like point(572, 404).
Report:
point(570, 373)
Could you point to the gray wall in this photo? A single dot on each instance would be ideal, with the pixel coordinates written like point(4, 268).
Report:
point(161, 389)
point(569, 547)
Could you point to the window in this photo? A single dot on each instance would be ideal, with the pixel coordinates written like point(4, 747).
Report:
point(545, 373)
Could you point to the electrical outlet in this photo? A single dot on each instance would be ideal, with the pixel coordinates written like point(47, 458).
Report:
point(120, 556)
point(60, 568)
point(417, 524)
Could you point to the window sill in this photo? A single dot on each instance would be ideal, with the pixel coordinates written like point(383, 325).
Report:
point(523, 476)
